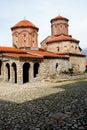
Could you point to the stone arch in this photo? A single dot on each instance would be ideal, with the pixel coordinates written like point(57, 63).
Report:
point(26, 67)
point(14, 72)
point(8, 71)
point(16, 32)
point(36, 69)
point(0, 67)
point(24, 31)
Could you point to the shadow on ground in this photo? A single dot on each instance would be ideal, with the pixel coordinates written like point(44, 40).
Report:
point(64, 110)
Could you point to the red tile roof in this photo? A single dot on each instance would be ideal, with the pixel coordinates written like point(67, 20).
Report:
point(47, 54)
point(61, 38)
point(59, 18)
point(24, 23)
point(22, 55)
point(11, 49)
point(14, 52)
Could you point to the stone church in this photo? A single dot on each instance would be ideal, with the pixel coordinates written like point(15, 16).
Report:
point(26, 62)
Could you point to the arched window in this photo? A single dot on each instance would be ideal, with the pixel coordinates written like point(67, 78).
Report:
point(72, 48)
point(8, 71)
point(65, 48)
point(76, 48)
point(58, 49)
point(56, 66)
point(36, 68)
point(0, 66)
point(24, 34)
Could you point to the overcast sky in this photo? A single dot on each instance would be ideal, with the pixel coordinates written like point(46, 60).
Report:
point(40, 12)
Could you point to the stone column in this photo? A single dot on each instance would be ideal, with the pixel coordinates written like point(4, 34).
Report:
point(5, 72)
point(2, 71)
point(20, 73)
point(11, 74)
point(31, 72)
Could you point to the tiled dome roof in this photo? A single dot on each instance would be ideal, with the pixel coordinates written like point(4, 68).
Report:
point(61, 38)
point(24, 24)
point(59, 18)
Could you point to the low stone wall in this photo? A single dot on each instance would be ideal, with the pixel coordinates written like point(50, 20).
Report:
point(65, 77)
point(76, 76)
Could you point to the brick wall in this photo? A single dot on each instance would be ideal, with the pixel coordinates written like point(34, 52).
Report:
point(59, 27)
point(64, 46)
point(25, 37)
point(78, 63)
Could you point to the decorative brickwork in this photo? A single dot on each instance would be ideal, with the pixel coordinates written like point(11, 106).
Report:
point(24, 35)
point(59, 25)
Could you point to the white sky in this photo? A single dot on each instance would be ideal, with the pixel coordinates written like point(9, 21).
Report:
point(40, 12)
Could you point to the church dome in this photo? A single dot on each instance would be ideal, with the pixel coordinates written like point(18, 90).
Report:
point(24, 24)
point(59, 18)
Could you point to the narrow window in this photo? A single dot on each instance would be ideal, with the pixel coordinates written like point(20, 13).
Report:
point(76, 48)
point(58, 49)
point(56, 66)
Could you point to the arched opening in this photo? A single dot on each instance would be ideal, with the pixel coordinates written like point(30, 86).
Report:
point(0, 66)
point(36, 68)
point(8, 71)
point(14, 73)
point(56, 66)
point(26, 67)
point(72, 48)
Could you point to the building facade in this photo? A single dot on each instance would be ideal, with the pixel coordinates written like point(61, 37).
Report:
point(25, 62)
point(60, 42)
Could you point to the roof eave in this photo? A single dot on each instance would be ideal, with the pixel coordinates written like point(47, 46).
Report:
point(48, 42)
point(54, 19)
point(12, 28)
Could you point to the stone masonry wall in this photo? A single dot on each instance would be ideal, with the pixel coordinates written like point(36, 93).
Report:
point(52, 67)
point(18, 72)
point(64, 46)
point(78, 63)
point(47, 67)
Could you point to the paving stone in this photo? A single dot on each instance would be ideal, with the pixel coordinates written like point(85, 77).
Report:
point(65, 110)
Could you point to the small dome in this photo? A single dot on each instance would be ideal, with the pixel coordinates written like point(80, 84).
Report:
point(59, 18)
point(24, 24)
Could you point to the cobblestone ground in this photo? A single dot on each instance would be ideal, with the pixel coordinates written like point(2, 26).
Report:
point(44, 106)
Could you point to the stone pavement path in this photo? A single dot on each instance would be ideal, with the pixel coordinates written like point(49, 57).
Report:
point(43, 106)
